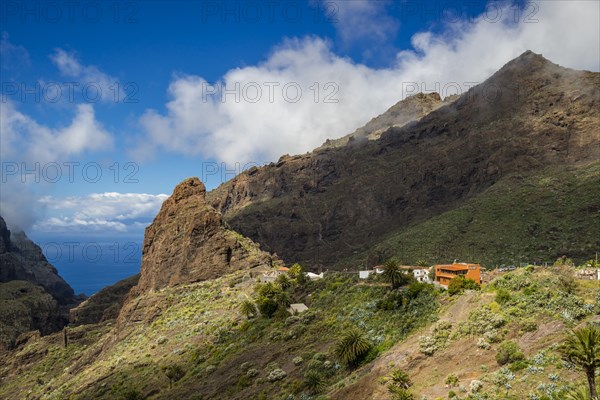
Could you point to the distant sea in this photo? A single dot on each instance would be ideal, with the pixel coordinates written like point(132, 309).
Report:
point(91, 264)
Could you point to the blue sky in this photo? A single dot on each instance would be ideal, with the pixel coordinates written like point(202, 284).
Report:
point(201, 84)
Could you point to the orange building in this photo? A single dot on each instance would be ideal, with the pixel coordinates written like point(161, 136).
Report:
point(444, 273)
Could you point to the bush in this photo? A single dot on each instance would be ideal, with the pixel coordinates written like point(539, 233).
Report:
point(352, 347)
point(502, 296)
point(509, 351)
point(460, 283)
point(400, 379)
point(401, 394)
point(276, 375)
point(314, 382)
point(267, 306)
point(451, 380)
point(174, 373)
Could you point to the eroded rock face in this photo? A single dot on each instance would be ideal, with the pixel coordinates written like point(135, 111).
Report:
point(188, 242)
point(21, 259)
point(32, 294)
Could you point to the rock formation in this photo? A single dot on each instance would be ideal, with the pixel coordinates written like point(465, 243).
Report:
point(32, 294)
point(189, 242)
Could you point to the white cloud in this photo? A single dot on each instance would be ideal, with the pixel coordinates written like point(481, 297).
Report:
point(29, 143)
point(93, 83)
point(26, 140)
point(12, 57)
point(105, 212)
point(361, 20)
point(241, 131)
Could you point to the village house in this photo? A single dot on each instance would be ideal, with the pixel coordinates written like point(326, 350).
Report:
point(312, 276)
point(271, 276)
point(444, 273)
point(589, 274)
point(297, 308)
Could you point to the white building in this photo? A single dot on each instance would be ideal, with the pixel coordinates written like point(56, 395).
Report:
point(422, 275)
point(364, 274)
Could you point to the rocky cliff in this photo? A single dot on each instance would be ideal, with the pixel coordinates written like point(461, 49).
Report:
point(189, 242)
point(32, 294)
point(320, 207)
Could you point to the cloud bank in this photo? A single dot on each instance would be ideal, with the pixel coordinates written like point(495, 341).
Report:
point(254, 113)
point(99, 212)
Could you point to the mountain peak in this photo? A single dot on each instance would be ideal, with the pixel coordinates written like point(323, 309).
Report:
point(188, 188)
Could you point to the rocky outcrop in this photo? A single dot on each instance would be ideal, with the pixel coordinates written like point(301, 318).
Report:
point(318, 208)
point(103, 305)
point(21, 259)
point(26, 307)
point(408, 110)
point(32, 294)
point(189, 242)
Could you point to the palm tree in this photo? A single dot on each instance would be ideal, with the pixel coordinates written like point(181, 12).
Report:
point(248, 308)
point(352, 347)
point(392, 272)
point(582, 348)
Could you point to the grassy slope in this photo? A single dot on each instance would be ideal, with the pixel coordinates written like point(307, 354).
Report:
point(200, 330)
point(520, 219)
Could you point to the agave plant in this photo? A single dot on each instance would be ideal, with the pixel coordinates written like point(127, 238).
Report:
point(352, 347)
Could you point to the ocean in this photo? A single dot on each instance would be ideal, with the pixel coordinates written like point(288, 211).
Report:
point(92, 264)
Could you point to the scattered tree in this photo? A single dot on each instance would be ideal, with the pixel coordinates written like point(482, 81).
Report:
point(284, 281)
point(582, 348)
point(352, 347)
point(393, 274)
point(174, 372)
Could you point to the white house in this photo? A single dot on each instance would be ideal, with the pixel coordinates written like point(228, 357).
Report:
point(364, 274)
point(422, 275)
point(297, 308)
point(313, 276)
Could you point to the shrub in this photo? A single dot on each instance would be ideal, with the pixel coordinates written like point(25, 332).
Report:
point(475, 386)
point(451, 380)
point(267, 306)
point(352, 347)
point(509, 351)
point(401, 394)
point(460, 283)
point(132, 394)
point(248, 309)
point(314, 382)
point(173, 372)
point(502, 296)
point(276, 375)
point(400, 379)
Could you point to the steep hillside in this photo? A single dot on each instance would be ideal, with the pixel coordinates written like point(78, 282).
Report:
point(197, 336)
point(33, 297)
point(320, 207)
point(532, 218)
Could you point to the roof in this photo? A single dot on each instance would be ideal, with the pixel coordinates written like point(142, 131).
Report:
point(457, 266)
point(283, 269)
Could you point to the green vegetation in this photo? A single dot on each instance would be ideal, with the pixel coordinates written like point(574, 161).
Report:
point(399, 384)
point(460, 284)
point(352, 347)
point(543, 216)
point(582, 348)
point(509, 352)
point(394, 275)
